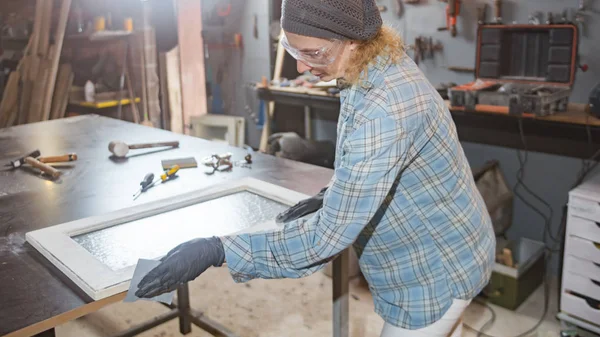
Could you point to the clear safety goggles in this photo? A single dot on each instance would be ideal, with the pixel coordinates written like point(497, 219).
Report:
point(318, 57)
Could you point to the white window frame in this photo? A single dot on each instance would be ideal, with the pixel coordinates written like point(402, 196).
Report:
point(98, 280)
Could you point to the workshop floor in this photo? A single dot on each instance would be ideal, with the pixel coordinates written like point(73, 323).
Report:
point(276, 308)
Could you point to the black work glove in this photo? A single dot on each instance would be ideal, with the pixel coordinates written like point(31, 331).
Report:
point(182, 264)
point(302, 208)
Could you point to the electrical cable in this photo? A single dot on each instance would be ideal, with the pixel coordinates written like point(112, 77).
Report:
point(586, 168)
point(547, 231)
point(520, 182)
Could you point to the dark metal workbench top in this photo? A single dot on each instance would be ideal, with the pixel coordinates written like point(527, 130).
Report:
point(31, 289)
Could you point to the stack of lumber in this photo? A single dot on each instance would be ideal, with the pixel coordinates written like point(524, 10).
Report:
point(33, 93)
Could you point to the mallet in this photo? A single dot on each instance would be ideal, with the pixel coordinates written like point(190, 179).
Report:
point(120, 149)
point(54, 173)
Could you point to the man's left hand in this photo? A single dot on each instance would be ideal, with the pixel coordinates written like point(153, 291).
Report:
point(182, 264)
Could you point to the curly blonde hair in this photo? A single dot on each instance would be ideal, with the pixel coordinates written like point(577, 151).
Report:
point(386, 43)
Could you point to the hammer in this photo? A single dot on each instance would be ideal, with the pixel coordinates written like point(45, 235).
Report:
point(19, 162)
point(43, 167)
point(120, 149)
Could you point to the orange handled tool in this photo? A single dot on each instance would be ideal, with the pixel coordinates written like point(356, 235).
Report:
point(170, 174)
point(59, 159)
point(54, 173)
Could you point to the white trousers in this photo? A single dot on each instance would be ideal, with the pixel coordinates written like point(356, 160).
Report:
point(450, 325)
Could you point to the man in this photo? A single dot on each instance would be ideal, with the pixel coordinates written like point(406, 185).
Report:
point(402, 192)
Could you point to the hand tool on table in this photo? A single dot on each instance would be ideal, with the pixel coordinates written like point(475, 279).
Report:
point(452, 12)
point(59, 159)
point(188, 162)
point(19, 162)
point(145, 185)
point(219, 163)
point(148, 182)
point(215, 158)
point(120, 149)
point(246, 162)
point(168, 175)
point(54, 173)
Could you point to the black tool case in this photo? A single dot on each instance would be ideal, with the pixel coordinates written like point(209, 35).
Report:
point(521, 69)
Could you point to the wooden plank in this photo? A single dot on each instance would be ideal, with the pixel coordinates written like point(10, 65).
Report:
point(150, 67)
point(61, 94)
point(577, 113)
point(174, 90)
point(303, 90)
point(46, 24)
point(32, 63)
point(67, 316)
point(9, 107)
point(37, 94)
point(191, 54)
point(37, 26)
point(165, 116)
point(266, 132)
point(54, 58)
point(134, 110)
point(65, 102)
point(142, 55)
point(9, 99)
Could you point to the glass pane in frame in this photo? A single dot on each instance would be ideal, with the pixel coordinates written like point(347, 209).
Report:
point(121, 246)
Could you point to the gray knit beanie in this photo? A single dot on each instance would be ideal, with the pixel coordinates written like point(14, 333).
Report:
point(331, 19)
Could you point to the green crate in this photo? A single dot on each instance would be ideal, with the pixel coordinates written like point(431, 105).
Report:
point(510, 287)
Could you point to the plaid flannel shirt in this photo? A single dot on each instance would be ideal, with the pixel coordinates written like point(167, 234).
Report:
point(402, 194)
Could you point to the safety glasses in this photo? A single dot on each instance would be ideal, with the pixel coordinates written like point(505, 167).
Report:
point(317, 57)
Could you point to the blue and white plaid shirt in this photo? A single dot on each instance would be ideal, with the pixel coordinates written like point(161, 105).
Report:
point(402, 193)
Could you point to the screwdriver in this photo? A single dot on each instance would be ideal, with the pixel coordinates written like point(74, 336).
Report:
point(170, 174)
point(146, 184)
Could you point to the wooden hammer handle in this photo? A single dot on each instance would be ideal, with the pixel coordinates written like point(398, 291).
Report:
point(43, 167)
point(59, 159)
point(148, 145)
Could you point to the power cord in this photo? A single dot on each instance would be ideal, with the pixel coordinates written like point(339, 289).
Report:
point(547, 232)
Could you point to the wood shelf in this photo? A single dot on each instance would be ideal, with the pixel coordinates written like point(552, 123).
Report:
point(106, 35)
point(105, 104)
point(574, 133)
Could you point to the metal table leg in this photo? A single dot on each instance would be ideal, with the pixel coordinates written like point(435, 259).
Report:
point(183, 304)
point(47, 333)
point(340, 294)
point(187, 316)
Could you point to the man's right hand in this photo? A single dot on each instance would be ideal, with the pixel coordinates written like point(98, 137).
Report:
point(302, 208)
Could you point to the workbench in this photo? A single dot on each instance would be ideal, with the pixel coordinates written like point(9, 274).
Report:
point(35, 296)
point(573, 133)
